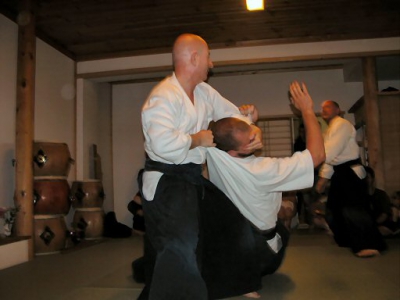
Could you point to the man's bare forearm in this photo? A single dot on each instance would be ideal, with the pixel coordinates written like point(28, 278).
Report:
point(314, 140)
point(303, 102)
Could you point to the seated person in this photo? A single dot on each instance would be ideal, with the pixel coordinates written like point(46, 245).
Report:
point(380, 205)
point(255, 184)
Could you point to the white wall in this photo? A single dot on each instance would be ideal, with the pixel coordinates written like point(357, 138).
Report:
point(128, 151)
point(8, 79)
point(104, 144)
point(269, 91)
point(55, 98)
point(97, 130)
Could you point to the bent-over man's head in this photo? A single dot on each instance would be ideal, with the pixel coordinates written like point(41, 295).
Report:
point(232, 135)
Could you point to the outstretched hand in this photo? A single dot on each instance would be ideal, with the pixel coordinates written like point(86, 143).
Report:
point(299, 96)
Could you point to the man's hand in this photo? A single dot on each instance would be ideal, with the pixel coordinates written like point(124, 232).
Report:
point(314, 141)
point(299, 97)
point(204, 138)
point(249, 111)
point(256, 140)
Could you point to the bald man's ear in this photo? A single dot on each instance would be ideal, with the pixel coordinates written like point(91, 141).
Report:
point(194, 58)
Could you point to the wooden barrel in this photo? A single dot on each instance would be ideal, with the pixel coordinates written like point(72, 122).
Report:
point(51, 196)
point(90, 221)
point(50, 234)
point(51, 159)
point(87, 194)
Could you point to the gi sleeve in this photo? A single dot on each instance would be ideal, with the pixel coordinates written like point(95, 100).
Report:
point(223, 108)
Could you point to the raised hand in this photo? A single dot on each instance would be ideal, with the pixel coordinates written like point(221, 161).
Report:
point(299, 96)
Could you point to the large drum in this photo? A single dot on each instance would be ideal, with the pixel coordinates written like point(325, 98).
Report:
point(90, 221)
point(51, 196)
point(87, 194)
point(51, 159)
point(50, 233)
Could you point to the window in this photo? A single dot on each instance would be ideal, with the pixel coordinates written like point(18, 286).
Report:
point(279, 134)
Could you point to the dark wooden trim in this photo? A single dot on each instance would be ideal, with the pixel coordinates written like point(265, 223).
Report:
point(375, 157)
point(26, 64)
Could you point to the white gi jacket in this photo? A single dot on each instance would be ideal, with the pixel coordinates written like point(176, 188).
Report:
point(340, 147)
point(168, 120)
point(255, 184)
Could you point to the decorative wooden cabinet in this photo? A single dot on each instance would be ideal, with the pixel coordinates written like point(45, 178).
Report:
point(389, 130)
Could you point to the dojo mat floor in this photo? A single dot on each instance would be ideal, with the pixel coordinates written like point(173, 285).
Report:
point(314, 268)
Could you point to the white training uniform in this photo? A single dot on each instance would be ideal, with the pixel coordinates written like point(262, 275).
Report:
point(168, 120)
point(255, 184)
point(340, 147)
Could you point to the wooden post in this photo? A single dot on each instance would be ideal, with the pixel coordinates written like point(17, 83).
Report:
point(24, 123)
point(375, 156)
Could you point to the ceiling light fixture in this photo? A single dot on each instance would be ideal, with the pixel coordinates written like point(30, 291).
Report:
point(255, 5)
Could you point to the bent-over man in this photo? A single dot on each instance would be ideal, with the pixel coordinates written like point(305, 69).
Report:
point(255, 184)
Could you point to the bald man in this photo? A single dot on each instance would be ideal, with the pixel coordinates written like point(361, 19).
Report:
point(348, 211)
point(175, 117)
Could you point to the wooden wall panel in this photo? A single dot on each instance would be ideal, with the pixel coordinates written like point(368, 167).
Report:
point(389, 107)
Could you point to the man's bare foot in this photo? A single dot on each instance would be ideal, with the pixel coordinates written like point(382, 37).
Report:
point(253, 295)
point(367, 253)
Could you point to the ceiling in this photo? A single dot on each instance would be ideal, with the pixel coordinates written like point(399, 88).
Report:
point(98, 29)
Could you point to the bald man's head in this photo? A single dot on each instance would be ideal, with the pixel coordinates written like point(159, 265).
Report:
point(190, 55)
point(186, 44)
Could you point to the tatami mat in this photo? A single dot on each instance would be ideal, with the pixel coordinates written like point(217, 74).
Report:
point(314, 268)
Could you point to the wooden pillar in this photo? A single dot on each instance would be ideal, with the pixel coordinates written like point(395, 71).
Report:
point(24, 122)
point(375, 157)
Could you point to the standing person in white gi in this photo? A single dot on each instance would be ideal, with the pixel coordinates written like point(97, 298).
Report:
point(255, 184)
point(175, 118)
point(347, 205)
